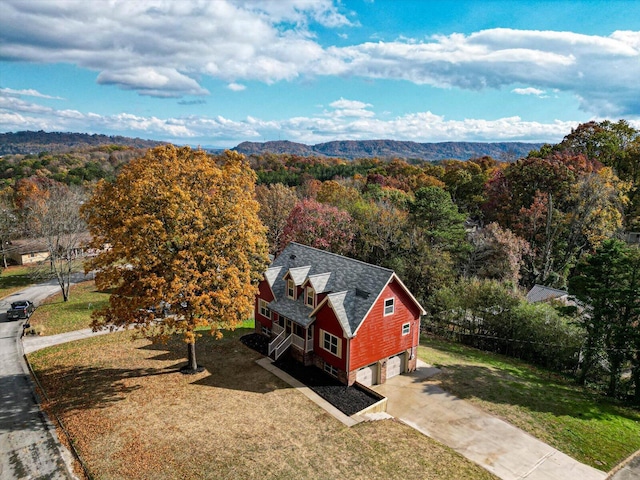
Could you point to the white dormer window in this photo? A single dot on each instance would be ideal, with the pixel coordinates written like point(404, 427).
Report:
point(389, 306)
point(310, 297)
point(291, 289)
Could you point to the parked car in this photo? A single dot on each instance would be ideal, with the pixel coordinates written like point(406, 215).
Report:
point(20, 309)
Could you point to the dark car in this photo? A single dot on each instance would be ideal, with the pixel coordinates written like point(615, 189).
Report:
point(20, 309)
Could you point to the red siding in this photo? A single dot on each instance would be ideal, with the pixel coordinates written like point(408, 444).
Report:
point(264, 294)
point(327, 321)
point(380, 336)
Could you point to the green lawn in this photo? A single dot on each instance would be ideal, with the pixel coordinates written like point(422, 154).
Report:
point(56, 316)
point(14, 279)
point(578, 422)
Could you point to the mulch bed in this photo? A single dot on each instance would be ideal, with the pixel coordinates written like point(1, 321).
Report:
point(348, 400)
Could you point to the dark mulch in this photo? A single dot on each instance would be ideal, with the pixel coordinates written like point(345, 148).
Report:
point(348, 400)
point(257, 342)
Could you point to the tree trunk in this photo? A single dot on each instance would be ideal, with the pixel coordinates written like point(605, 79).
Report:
point(191, 356)
point(636, 379)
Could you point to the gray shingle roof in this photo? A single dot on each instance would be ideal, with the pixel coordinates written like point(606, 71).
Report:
point(328, 273)
point(540, 293)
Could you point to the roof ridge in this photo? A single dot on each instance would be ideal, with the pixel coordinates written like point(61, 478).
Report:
point(344, 257)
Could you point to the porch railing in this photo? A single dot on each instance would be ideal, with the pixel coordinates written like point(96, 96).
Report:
point(298, 342)
point(275, 342)
point(280, 349)
point(277, 328)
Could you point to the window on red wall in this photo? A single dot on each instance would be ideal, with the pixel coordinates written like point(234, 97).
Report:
point(264, 309)
point(389, 306)
point(291, 289)
point(331, 344)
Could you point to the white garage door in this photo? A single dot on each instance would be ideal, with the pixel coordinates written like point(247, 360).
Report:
point(367, 375)
point(394, 365)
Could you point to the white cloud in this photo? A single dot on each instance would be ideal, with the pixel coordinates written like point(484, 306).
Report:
point(349, 120)
point(236, 87)
point(164, 49)
point(28, 93)
point(529, 91)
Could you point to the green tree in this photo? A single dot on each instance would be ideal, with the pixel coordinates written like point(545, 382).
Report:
point(181, 228)
point(608, 285)
point(435, 244)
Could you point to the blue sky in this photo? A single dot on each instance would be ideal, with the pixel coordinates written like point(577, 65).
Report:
point(219, 72)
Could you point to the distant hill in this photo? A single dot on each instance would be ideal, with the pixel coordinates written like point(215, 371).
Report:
point(27, 142)
point(394, 149)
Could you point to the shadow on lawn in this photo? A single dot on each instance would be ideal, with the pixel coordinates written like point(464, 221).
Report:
point(229, 364)
point(73, 388)
point(528, 391)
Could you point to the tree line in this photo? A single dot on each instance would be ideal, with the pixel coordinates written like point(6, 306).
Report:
point(468, 238)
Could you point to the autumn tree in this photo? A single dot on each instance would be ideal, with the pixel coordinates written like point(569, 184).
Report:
point(54, 216)
point(320, 226)
point(8, 223)
point(182, 229)
point(276, 202)
point(497, 253)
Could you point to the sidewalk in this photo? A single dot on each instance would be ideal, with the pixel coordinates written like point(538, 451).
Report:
point(32, 343)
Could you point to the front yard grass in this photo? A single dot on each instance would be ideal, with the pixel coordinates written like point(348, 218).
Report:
point(56, 316)
point(580, 423)
point(132, 415)
point(14, 279)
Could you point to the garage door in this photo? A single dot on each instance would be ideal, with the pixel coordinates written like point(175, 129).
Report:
point(395, 365)
point(367, 375)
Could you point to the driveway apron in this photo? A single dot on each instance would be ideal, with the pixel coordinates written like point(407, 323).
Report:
point(494, 444)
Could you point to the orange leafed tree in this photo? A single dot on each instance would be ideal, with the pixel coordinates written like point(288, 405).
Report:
point(178, 229)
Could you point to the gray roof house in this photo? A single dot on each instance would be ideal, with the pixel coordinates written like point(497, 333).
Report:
point(338, 313)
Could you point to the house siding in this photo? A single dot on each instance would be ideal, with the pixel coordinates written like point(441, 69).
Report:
point(379, 336)
point(326, 320)
point(264, 293)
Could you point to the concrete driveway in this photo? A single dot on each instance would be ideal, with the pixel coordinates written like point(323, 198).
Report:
point(494, 444)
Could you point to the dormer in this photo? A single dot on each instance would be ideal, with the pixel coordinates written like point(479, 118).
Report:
point(294, 279)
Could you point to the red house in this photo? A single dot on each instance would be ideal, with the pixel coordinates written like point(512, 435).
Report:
point(356, 321)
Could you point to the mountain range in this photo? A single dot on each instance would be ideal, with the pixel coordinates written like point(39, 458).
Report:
point(29, 142)
point(394, 149)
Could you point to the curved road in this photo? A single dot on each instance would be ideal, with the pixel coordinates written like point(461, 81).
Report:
point(29, 447)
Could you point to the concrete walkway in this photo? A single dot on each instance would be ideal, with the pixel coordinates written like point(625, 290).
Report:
point(32, 343)
point(494, 444)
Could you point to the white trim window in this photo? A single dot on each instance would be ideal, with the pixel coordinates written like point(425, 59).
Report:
point(266, 331)
point(291, 289)
point(330, 369)
point(389, 306)
point(264, 308)
point(331, 343)
point(406, 328)
point(310, 297)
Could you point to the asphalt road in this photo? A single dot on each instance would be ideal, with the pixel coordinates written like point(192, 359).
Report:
point(29, 448)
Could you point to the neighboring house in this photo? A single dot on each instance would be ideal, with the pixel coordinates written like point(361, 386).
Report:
point(540, 293)
point(632, 237)
point(34, 250)
point(356, 321)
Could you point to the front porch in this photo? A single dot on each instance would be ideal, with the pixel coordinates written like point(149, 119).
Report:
point(286, 333)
